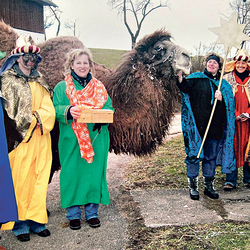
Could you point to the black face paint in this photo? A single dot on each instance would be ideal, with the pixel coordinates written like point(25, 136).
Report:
point(29, 59)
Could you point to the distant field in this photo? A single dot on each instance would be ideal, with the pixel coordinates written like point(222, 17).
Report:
point(108, 57)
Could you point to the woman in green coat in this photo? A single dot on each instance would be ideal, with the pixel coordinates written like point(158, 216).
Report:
point(83, 148)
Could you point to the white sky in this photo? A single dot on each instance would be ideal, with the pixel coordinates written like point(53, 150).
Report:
point(98, 26)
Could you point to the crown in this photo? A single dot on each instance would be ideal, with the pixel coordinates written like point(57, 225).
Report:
point(24, 46)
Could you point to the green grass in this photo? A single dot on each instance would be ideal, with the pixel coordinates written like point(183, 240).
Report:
point(166, 169)
point(108, 57)
point(219, 236)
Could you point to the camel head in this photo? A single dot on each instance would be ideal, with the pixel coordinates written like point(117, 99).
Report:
point(142, 88)
point(144, 93)
point(161, 56)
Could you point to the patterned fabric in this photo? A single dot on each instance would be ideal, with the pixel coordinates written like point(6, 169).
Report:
point(93, 96)
point(31, 161)
point(26, 49)
point(230, 78)
point(241, 92)
point(23, 45)
point(193, 140)
point(16, 90)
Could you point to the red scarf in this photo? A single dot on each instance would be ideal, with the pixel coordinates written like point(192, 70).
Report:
point(93, 96)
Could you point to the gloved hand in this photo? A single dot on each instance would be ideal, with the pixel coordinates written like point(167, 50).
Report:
point(98, 126)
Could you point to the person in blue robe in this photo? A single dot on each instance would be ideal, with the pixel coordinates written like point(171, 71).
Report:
point(199, 91)
point(8, 206)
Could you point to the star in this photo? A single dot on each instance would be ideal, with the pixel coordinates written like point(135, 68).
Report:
point(230, 33)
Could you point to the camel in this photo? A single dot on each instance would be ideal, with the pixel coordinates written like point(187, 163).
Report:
point(142, 87)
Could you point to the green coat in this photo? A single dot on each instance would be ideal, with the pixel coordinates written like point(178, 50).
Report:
point(80, 182)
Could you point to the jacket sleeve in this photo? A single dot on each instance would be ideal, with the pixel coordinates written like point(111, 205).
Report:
point(61, 103)
point(45, 115)
point(108, 105)
point(186, 85)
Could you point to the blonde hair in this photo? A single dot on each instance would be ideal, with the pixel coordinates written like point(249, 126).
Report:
point(72, 55)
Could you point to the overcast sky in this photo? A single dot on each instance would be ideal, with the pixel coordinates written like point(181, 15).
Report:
point(98, 26)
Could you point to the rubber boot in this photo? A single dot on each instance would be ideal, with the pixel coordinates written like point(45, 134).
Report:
point(209, 188)
point(193, 188)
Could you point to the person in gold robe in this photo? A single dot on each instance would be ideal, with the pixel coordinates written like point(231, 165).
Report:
point(28, 103)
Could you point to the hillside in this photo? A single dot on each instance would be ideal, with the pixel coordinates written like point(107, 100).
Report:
point(108, 57)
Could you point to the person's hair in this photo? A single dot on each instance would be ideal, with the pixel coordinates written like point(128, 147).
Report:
point(72, 55)
point(208, 55)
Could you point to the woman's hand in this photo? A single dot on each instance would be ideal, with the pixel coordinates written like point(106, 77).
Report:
point(75, 112)
point(242, 119)
point(218, 95)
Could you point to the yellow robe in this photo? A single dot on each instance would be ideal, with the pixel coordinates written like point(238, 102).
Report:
point(31, 161)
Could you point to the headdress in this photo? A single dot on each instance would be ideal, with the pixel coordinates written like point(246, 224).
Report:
point(22, 46)
point(241, 55)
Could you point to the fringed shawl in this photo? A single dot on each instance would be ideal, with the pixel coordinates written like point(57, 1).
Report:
point(231, 80)
point(192, 138)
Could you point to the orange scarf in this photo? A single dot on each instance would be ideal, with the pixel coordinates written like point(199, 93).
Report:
point(93, 96)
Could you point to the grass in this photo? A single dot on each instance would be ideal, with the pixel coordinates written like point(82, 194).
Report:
point(108, 57)
point(222, 235)
point(166, 169)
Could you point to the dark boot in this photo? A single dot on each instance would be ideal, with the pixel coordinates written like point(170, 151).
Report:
point(193, 188)
point(209, 188)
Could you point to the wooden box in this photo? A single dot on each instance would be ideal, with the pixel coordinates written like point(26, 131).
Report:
point(95, 116)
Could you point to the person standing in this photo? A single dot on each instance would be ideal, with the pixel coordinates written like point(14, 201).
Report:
point(29, 105)
point(238, 77)
point(199, 91)
point(8, 207)
point(83, 148)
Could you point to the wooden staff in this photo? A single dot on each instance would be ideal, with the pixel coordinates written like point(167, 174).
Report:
point(214, 105)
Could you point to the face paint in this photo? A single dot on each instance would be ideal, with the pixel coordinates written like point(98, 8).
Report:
point(29, 60)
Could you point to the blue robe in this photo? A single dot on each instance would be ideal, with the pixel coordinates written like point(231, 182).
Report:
point(8, 206)
point(192, 138)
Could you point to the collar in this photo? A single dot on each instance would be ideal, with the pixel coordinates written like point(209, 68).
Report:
point(33, 73)
point(208, 74)
point(243, 75)
point(83, 81)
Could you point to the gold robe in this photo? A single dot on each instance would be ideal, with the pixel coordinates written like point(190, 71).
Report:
point(31, 160)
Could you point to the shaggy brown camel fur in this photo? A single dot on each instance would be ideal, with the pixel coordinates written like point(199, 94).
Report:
point(142, 87)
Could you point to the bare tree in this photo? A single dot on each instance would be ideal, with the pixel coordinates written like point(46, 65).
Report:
point(50, 15)
point(71, 26)
point(201, 51)
point(242, 7)
point(139, 9)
